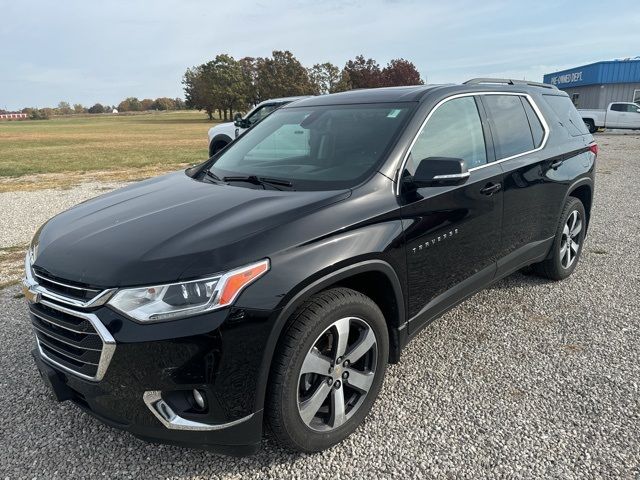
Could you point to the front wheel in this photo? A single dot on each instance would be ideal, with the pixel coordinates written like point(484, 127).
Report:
point(215, 147)
point(567, 244)
point(328, 370)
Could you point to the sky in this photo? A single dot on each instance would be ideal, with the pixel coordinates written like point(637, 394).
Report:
point(83, 51)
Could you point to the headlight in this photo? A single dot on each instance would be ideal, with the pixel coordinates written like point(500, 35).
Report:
point(177, 300)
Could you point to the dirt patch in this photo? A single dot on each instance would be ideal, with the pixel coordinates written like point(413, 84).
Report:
point(11, 264)
point(43, 181)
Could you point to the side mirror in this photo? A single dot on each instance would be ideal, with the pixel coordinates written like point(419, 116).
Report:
point(237, 120)
point(438, 171)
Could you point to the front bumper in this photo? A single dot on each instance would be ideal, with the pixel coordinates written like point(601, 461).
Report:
point(219, 353)
point(234, 438)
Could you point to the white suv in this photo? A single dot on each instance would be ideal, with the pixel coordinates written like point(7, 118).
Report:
point(224, 133)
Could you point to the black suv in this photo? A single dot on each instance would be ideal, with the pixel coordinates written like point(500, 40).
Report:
point(274, 282)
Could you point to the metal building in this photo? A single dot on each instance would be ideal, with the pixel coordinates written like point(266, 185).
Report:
point(598, 84)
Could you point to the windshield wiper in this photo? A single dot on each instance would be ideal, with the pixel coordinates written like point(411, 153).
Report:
point(258, 180)
point(212, 175)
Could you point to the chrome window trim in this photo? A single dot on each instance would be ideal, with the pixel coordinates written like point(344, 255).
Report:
point(171, 420)
point(531, 101)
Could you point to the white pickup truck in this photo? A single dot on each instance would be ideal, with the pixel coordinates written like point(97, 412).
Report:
point(618, 115)
point(224, 133)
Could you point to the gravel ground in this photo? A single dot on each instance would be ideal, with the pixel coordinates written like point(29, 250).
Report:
point(527, 379)
point(24, 211)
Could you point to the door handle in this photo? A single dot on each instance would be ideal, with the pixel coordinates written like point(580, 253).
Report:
point(491, 188)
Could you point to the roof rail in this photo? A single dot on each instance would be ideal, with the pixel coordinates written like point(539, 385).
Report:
point(509, 81)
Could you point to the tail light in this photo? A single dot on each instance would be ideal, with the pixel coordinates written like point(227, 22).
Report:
point(594, 148)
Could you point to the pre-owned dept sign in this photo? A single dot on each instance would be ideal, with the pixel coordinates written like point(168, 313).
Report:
point(567, 78)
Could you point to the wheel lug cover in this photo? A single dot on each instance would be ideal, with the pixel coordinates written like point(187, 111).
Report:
point(346, 363)
point(329, 381)
point(345, 375)
point(337, 384)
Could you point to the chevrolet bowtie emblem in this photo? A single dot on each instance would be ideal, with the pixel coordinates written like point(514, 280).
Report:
point(30, 295)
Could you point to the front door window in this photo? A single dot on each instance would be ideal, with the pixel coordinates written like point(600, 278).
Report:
point(455, 131)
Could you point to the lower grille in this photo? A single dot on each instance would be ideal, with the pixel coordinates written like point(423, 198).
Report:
point(74, 341)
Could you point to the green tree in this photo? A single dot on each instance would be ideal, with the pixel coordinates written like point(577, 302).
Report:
point(78, 108)
point(131, 104)
point(324, 77)
point(360, 73)
point(249, 67)
point(146, 104)
point(282, 75)
point(64, 108)
point(216, 85)
point(97, 108)
point(228, 86)
point(39, 113)
point(196, 89)
point(164, 103)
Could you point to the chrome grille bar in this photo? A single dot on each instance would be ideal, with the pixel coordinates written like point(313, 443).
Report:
point(84, 347)
point(108, 343)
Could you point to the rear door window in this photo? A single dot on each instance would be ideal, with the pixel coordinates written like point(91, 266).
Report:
point(567, 114)
point(510, 126)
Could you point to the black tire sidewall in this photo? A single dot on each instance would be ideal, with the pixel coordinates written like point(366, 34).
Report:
point(591, 126)
point(300, 435)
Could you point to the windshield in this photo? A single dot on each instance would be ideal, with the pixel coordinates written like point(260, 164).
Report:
point(316, 148)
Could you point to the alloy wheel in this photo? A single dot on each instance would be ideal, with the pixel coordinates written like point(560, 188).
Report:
point(570, 243)
point(337, 374)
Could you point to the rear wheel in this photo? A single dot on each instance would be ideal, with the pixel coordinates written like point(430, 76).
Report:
point(328, 370)
point(591, 126)
point(567, 244)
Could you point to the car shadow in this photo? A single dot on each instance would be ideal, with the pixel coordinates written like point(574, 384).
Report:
point(518, 279)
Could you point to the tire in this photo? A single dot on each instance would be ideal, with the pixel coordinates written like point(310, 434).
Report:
point(591, 126)
point(564, 255)
point(310, 340)
point(215, 147)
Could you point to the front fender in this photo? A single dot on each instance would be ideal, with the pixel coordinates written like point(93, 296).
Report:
point(227, 128)
point(298, 273)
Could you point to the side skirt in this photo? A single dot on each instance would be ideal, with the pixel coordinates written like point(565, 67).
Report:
point(528, 254)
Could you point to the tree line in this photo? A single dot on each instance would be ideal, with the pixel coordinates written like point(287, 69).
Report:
point(130, 104)
point(227, 85)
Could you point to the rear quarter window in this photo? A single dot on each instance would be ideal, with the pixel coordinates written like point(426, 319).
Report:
point(567, 114)
point(537, 130)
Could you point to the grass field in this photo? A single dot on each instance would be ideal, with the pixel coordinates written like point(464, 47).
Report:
point(127, 147)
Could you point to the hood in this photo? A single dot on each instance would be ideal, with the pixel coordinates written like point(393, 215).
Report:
point(166, 229)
